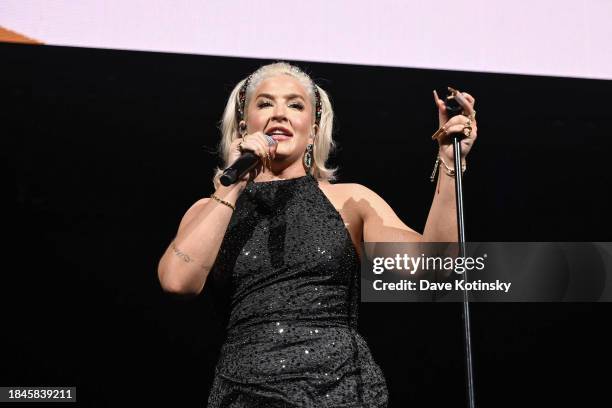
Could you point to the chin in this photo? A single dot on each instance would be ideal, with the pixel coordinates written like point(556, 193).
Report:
point(283, 151)
point(280, 157)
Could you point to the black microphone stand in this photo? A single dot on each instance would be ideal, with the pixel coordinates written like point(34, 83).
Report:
point(453, 109)
point(462, 251)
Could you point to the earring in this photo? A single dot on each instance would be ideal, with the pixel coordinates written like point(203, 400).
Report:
point(308, 156)
point(242, 127)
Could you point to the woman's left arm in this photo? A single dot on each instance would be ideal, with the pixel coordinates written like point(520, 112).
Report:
point(441, 225)
point(381, 224)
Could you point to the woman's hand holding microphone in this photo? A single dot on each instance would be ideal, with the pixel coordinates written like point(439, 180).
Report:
point(262, 145)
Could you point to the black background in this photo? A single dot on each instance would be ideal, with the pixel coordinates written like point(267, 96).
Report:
point(103, 151)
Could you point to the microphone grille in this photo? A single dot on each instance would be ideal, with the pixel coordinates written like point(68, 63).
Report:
point(271, 141)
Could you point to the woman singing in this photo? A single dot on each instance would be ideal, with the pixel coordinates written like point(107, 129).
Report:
point(286, 243)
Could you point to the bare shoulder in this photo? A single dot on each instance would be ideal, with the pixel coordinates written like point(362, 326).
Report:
point(381, 223)
point(344, 189)
point(351, 192)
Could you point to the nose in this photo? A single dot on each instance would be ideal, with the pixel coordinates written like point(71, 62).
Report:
point(279, 113)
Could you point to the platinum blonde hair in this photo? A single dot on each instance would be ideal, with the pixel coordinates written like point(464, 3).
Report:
point(323, 141)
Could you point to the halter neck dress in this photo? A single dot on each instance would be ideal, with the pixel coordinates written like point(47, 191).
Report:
point(292, 277)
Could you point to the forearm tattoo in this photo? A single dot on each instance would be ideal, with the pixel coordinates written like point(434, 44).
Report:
point(180, 254)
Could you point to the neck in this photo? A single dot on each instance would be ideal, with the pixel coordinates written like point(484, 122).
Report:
point(277, 173)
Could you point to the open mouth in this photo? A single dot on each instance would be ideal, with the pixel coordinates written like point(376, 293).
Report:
point(279, 133)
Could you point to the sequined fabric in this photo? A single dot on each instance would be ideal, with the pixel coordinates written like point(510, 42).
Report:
point(292, 275)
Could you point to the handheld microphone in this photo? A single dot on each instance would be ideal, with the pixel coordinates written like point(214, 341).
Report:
point(245, 163)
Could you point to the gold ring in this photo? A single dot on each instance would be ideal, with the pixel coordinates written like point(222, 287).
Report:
point(264, 157)
point(439, 133)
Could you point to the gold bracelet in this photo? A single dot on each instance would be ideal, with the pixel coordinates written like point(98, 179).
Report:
point(217, 199)
point(435, 169)
point(448, 170)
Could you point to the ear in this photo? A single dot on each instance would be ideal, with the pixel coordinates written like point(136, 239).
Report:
point(315, 132)
point(311, 138)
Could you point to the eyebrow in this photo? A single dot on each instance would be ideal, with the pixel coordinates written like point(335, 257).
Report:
point(290, 96)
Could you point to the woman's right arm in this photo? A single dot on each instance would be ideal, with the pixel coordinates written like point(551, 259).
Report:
point(185, 265)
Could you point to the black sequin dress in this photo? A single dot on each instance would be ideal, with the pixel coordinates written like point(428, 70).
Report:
point(293, 278)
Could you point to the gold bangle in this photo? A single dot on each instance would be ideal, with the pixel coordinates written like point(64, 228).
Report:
point(217, 199)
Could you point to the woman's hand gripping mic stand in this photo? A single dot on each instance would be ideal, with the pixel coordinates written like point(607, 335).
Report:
point(453, 108)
